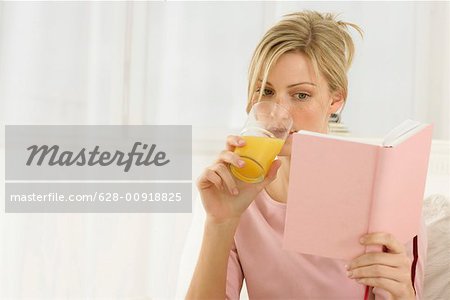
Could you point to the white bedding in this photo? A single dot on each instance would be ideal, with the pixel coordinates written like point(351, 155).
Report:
point(436, 211)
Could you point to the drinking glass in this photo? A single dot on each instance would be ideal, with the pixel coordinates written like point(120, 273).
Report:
point(265, 131)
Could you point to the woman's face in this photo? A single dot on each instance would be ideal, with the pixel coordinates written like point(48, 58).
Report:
point(292, 83)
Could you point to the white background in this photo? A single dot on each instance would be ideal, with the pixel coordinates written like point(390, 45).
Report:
point(178, 63)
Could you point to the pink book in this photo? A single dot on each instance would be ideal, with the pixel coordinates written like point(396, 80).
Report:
point(340, 189)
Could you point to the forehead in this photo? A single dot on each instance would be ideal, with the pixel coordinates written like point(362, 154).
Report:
point(292, 67)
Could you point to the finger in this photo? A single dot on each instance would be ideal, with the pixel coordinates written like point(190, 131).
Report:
point(231, 158)
point(386, 239)
point(380, 258)
point(234, 141)
point(226, 177)
point(208, 177)
point(395, 288)
point(271, 174)
point(392, 273)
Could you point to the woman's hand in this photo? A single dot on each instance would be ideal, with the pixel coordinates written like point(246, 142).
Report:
point(224, 197)
point(389, 270)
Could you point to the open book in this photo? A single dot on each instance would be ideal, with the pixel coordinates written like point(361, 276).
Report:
point(340, 189)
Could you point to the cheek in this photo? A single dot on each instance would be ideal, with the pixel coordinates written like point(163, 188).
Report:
point(308, 118)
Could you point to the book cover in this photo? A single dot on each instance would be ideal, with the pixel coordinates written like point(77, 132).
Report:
point(340, 189)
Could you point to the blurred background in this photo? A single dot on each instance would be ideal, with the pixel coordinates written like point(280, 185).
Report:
point(179, 63)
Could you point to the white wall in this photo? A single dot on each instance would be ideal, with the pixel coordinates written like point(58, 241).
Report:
point(186, 63)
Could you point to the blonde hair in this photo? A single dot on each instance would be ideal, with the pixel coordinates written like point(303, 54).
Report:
point(323, 39)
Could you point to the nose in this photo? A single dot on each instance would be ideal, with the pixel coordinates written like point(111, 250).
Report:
point(283, 101)
point(279, 99)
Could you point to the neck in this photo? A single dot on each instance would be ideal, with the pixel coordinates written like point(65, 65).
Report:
point(278, 188)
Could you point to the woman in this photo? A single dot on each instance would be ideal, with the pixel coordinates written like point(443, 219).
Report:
point(300, 63)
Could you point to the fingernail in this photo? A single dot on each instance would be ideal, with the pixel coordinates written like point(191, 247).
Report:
point(241, 163)
point(362, 240)
point(241, 142)
point(347, 267)
point(349, 274)
point(235, 191)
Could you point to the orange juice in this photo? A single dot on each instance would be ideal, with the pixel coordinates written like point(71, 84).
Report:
point(258, 154)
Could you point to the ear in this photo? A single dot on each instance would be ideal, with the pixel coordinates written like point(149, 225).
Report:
point(337, 101)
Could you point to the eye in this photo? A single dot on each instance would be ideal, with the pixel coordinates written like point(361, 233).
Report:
point(266, 92)
point(302, 96)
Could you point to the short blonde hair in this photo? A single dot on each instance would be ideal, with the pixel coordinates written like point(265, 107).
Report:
point(323, 39)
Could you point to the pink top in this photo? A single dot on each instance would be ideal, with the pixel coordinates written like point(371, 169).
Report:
point(273, 273)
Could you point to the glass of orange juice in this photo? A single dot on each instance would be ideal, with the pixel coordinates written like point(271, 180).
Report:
point(267, 127)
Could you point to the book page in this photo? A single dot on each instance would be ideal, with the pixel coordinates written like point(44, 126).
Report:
point(396, 134)
point(394, 137)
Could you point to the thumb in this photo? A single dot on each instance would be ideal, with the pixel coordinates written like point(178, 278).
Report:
point(271, 174)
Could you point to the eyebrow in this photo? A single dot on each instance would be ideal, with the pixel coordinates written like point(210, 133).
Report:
point(291, 85)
